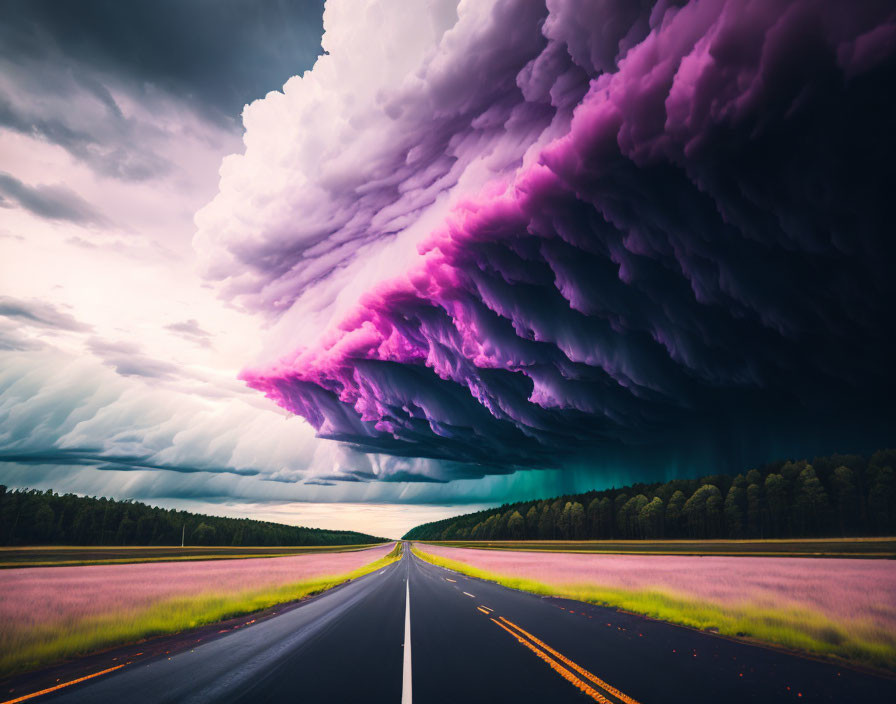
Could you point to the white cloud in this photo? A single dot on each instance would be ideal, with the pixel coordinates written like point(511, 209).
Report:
point(355, 162)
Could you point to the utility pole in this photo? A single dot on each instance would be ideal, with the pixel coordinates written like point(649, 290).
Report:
point(183, 532)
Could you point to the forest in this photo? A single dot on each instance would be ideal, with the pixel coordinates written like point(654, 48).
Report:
point(833, 496)
point(31, 517)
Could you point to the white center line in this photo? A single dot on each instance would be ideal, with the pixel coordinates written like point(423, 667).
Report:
point(469, 595)
point(406, 675)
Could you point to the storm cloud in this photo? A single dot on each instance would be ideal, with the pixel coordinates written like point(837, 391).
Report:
point(617, 229)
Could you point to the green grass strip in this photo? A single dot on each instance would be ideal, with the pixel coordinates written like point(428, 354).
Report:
point(140, 560)
point(871, 548)
point(802, 630)
point(33, 556)
point(37, 647)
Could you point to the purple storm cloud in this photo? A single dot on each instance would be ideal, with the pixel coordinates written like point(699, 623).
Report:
point(545, 231)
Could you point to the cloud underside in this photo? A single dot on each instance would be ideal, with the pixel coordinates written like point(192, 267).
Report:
point(74, 422)
point(681, 231)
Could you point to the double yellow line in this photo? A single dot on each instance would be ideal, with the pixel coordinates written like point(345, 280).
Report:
point(577, 675)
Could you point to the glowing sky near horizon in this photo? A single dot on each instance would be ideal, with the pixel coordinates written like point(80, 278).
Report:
point(466, 265)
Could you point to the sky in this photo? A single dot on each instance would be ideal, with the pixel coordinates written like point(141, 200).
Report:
point(365, 265)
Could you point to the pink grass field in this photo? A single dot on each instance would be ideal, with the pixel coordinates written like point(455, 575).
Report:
point(58, 596)
point(844, 590)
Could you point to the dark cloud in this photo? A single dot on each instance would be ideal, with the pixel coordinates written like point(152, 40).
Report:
point(108, 81)
point(50, 202)
point(108, 142)
point(219, 53)
point(96, 458)
point(192, 331)
point(41, 314)
point(704, 260)
point(128, 360)
point(407, 476)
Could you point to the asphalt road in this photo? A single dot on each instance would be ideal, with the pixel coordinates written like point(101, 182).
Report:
point(471, 641)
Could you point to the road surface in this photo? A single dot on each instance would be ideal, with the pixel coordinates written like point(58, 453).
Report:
point(470, 641)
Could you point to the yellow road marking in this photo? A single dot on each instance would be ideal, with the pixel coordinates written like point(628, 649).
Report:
point(486, 608)
point(557, 667)
point(60, 686)
point(479, 608)
point(581, 670)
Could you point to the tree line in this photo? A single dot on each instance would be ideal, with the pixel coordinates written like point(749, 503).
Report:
point(31, 517)
point(837, 495)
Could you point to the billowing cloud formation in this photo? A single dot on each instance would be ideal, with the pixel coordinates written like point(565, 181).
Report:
point(537, 233)
point(355, 162)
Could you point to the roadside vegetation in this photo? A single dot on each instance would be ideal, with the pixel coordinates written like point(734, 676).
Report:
point(31, 517)
point(884, 548)
point(51, 615)
point(821, 607)
point(834, 496)
point(60, 555)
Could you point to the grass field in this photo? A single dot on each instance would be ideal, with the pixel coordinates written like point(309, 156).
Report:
point(826, 607)
point(797, 547)
point(60, 555)
point(51, 615)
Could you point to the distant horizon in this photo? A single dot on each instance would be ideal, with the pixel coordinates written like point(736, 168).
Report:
point(336, 516)
point(398, 520)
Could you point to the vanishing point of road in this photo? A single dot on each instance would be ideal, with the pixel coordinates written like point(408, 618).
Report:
point(413, 632)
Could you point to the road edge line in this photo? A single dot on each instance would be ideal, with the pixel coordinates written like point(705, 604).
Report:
point(40, 693)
